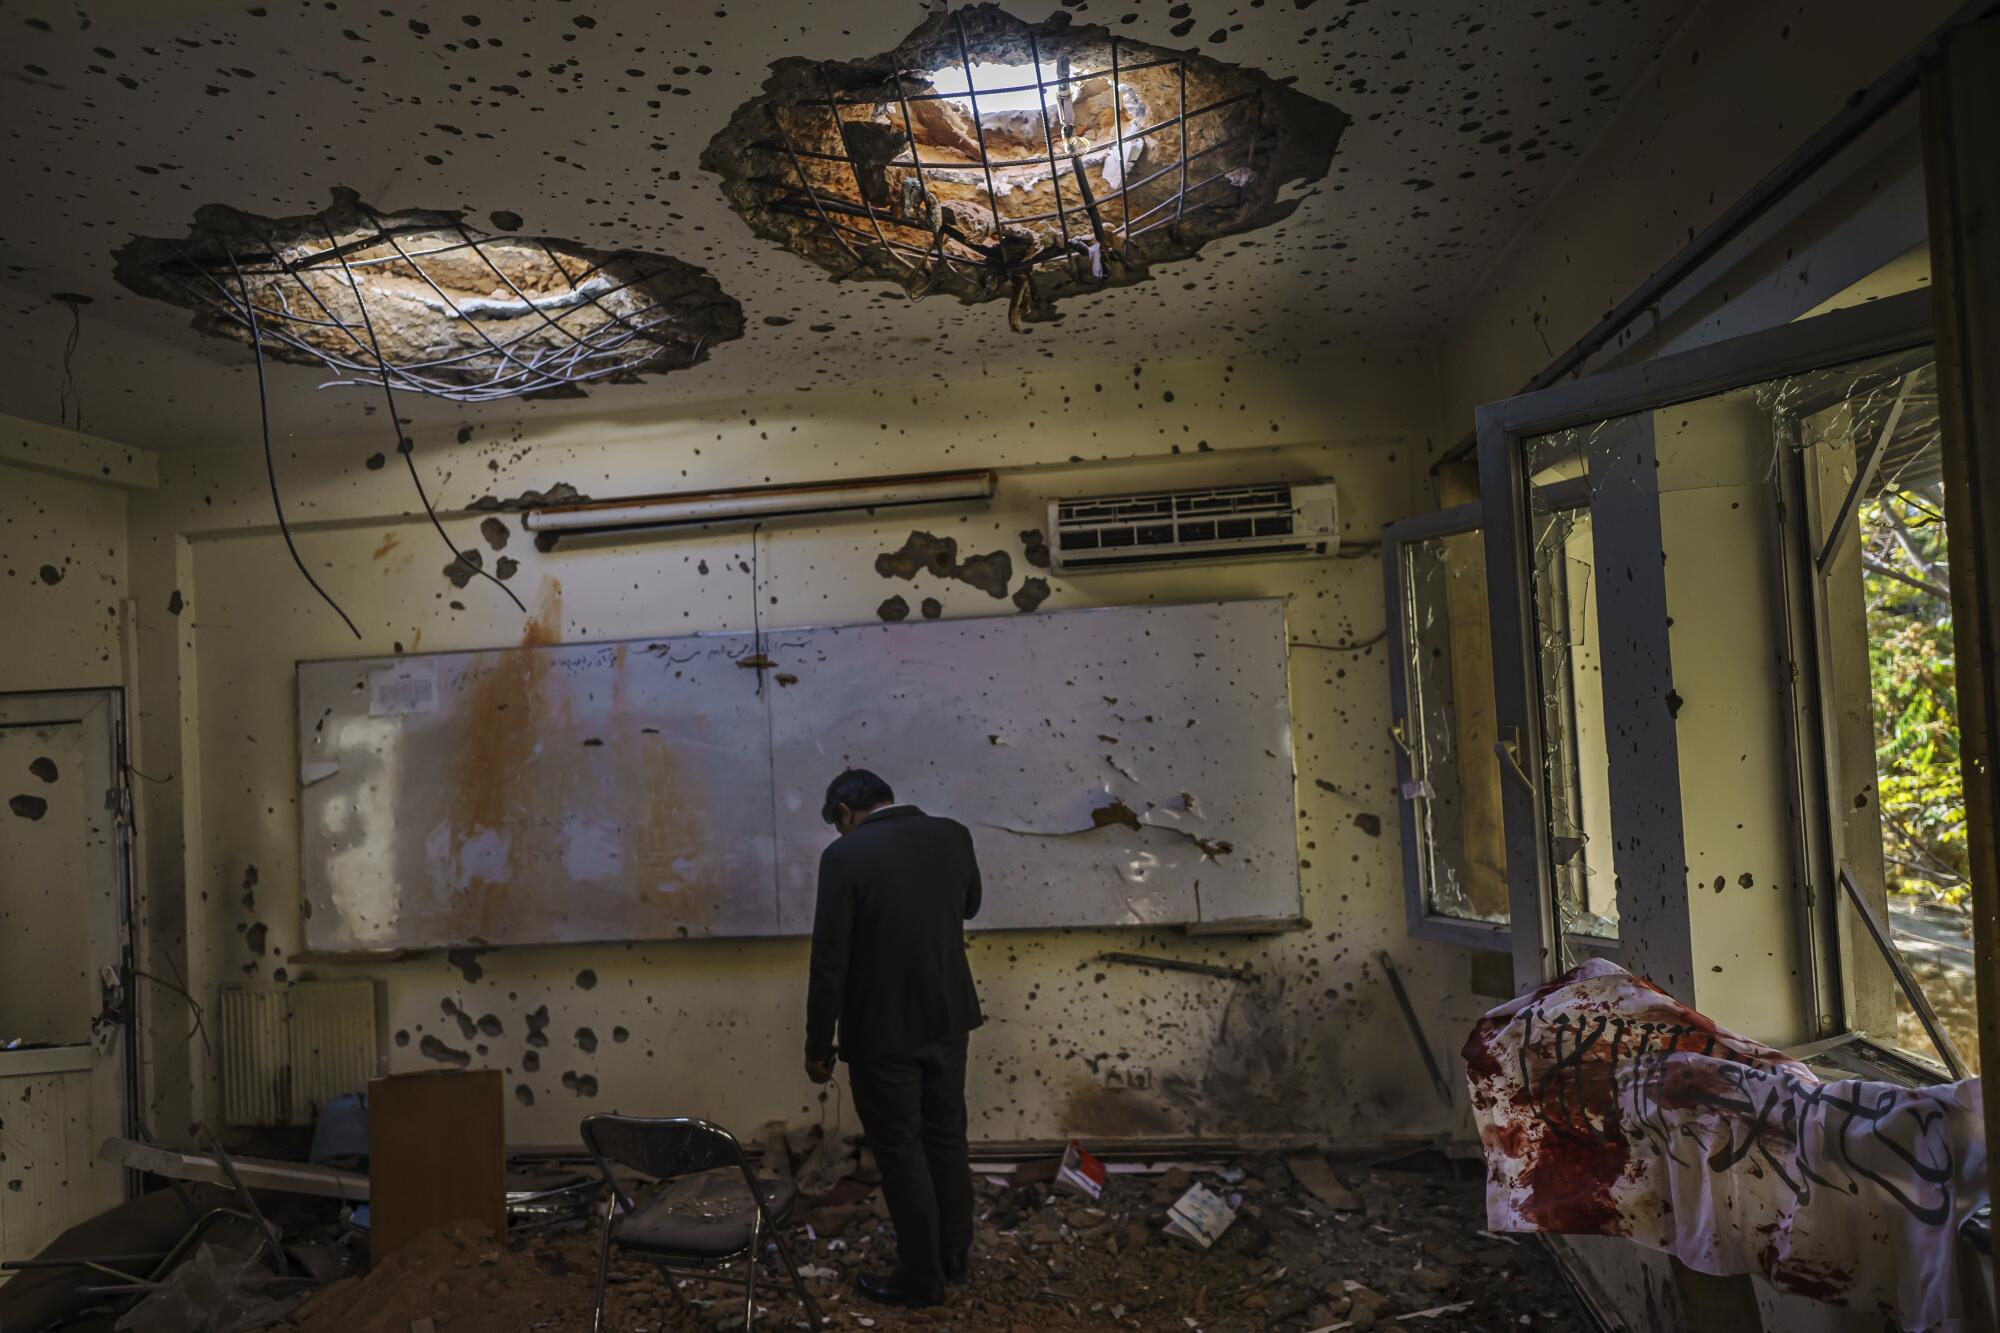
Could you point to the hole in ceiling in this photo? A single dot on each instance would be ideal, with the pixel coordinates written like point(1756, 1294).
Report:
point(995, 159)
point(428, 304)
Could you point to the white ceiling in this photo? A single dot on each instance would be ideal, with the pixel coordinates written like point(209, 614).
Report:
point(124, 117)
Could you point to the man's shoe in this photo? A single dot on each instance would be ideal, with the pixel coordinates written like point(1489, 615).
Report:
point(956, 1269)
point(891, 1291)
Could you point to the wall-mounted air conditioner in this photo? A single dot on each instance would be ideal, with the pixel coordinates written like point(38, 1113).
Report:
point(1274, 521)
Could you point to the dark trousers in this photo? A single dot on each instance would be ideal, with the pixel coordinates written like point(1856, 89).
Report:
point(912, 1109)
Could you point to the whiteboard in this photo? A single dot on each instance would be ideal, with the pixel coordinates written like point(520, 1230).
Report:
point(1124, 766)
point(536, 794)
point(1121, 767)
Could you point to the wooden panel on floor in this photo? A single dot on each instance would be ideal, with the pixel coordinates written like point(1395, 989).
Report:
point(436, 1154)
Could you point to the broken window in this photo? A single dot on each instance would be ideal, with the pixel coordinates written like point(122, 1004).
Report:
point(1570, 674)
point(1445, 729)
point(1868, 445)
point(994, 159)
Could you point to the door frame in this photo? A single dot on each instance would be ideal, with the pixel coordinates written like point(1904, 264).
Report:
point(1854, 334)
point(100, 710)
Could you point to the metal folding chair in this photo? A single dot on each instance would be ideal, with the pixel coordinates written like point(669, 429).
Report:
point(710, 1210)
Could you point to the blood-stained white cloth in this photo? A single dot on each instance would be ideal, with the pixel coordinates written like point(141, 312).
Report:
point(1607, 1107)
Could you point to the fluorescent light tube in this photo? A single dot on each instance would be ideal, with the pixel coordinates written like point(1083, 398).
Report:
point(758, 502)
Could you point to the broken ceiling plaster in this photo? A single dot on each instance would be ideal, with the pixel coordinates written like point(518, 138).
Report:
point(1037, 198)
point(430, 304)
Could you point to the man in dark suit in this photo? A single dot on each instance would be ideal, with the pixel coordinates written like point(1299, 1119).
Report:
point(888, 969)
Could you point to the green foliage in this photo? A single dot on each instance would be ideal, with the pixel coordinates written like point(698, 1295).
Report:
point(1914, 682)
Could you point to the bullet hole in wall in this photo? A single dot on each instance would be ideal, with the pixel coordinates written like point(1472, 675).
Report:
point(467, 963)
point(1031, 594)
point(433, 1049)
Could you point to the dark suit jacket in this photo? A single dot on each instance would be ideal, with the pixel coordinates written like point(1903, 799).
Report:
point(888, 950)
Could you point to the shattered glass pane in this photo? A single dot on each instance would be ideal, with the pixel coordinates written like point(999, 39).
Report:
point(1857, 449)
point(1869, 445)
point(1454, 793)
point(1571, 684)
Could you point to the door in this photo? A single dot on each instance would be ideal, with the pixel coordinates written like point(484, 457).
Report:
point(64, 969)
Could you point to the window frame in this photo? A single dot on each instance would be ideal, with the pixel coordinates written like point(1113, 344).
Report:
point(1457, 520)
point(1894, 324)
point(1397, 539)
point(1842, 928)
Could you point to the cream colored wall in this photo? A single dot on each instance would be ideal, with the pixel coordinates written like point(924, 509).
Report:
point(1744, 903)
point(63, 572)
point(65, 589)
point(1314, 1046)
point(1738, 88)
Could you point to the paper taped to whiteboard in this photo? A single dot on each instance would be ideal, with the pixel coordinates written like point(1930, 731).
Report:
point(405, 687)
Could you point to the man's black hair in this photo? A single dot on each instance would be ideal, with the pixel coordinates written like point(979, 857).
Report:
point(858, 790)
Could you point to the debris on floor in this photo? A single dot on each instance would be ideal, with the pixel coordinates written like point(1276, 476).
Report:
point(1296, 1242)
point(219, 1290)
point(460, 1277)
point(1398, 1250)
point(1199, 1216)
point(255, 1172)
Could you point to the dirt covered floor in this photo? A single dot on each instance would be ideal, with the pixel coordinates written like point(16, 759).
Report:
point(1404, 1250)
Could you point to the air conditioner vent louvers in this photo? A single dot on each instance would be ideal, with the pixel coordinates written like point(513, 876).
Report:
point(1221, 523)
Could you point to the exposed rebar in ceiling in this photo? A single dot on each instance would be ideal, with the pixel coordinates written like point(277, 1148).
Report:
point(994, 159)
point(422, 302)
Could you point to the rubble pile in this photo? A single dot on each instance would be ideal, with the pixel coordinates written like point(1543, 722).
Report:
point(1309, 1247)
point(460, 1277)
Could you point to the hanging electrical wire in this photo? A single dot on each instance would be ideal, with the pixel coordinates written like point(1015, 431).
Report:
point(68, 396)
point(420, 301)
point(271, 471)
point(407, 448)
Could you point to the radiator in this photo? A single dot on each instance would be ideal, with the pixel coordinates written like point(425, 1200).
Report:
point(287, 1049)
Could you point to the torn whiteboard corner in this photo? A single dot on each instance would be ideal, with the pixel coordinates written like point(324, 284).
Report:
point(403, 687)
point(1199, 1217)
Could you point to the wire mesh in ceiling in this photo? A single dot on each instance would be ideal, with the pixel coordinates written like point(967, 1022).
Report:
point(990, 158)
point(426, 303)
